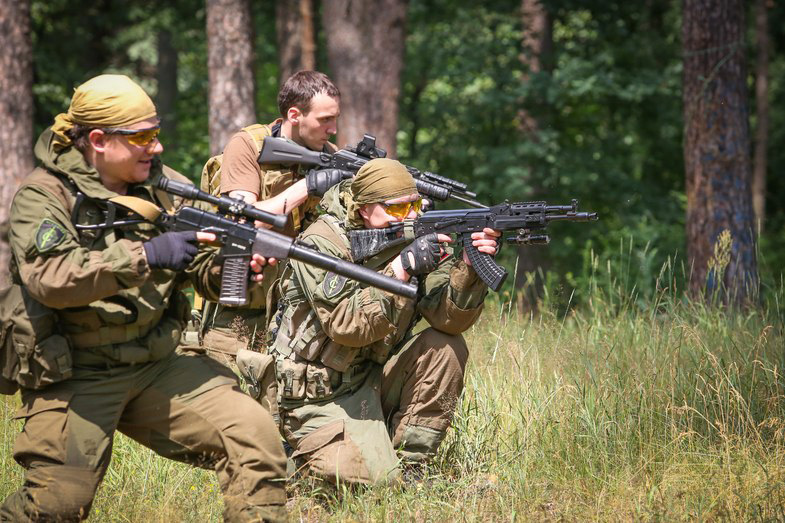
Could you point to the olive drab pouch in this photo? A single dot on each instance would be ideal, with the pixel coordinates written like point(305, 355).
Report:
point(258, 372)
point(32, 352)
point(291, 378)
point(319, 381)
point(339, 357)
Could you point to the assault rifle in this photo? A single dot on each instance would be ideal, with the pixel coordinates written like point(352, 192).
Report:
point(528, 218)
point(430, 185)
point(241, 240)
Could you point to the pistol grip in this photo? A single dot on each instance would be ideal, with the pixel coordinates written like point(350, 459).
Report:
point(234, 281)
point(484, 265)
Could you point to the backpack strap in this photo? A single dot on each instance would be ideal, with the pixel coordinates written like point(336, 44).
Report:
point(258, 133)
point(327, 226)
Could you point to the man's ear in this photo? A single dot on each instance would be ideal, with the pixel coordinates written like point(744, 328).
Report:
point(98, 139)
point(293, 115)
point(363, 211)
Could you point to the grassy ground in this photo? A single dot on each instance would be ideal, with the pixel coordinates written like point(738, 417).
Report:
point(670, 411)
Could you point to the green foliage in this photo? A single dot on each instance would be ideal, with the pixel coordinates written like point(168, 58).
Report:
point(121, 37)
point(606, 102)
point(607, 105)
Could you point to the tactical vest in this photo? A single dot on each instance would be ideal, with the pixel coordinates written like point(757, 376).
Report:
point(273, 179)
point(36, 341)
point(309, 365)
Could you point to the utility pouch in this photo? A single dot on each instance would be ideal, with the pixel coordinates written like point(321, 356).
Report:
point(291, 378)
point(308, 334)
point(318, 382)
point(339, 357)
point(32, 353)
point(258, 371)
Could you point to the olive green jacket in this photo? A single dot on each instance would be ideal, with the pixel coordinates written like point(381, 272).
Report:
point(98, 281)
point(342, 323)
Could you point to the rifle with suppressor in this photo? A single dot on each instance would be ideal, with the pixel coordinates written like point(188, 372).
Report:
point(528, 218)
point(241, 240)
point(429, 185)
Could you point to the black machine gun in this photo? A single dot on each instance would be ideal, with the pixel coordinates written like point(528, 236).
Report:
point(429, 185)
point(529, 219)
point(241, 240)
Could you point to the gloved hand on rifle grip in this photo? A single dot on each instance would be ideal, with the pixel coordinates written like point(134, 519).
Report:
point(317, 181)
point(422, 255)
point(171, 250)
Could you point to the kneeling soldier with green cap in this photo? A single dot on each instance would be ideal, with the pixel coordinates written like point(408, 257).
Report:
point(357, 390)
point(114, 292)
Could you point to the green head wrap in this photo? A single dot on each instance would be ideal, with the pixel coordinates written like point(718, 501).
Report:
point(377, 181)
point(108, 100)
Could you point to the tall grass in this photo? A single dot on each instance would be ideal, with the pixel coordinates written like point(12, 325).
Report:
point(622, 409)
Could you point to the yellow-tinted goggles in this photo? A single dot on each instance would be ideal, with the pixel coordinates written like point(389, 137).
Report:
point(140, 137)
point(401, 210)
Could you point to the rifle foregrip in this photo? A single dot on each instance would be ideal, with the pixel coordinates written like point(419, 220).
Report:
point(234, 281)
point(484, 265)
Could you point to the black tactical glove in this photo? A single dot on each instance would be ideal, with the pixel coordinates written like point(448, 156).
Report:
point(171, 250)
point(426, 252)
point(319, 180)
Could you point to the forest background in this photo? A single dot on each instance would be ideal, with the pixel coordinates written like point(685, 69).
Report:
point(522, 100)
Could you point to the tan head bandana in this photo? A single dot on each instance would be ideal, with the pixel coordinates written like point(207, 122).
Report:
point(108, 100)
point(377, 181)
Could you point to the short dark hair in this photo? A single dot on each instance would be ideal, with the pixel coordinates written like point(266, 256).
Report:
point(301, 87)
point(79, 135)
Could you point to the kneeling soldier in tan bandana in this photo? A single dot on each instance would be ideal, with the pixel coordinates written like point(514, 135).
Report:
point(357, 390)
point(115, 295)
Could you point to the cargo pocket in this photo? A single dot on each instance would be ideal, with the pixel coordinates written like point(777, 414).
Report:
point(258, 371)
point(45, 417)
point(49, 362)
point(291, 378)
point(328, 453)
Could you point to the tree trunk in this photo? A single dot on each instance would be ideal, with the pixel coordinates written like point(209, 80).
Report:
point(166, 74)
point(365, 44)
point(16, 110)
point(295, 33)
point(230, 59)
point(716, 152)
point(762, 113)
point(537, 44)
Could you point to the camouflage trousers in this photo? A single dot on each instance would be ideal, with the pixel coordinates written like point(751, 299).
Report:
point(404, 406)
point(184, 407)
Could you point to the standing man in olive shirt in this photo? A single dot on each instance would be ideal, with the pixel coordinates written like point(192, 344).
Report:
point(309, 104)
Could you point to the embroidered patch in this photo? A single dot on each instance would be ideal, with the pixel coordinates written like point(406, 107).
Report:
point(48, 236)
point(333, 284)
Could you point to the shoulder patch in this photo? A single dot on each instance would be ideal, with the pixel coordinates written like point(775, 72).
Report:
point(333, 284)
point(48, 236)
